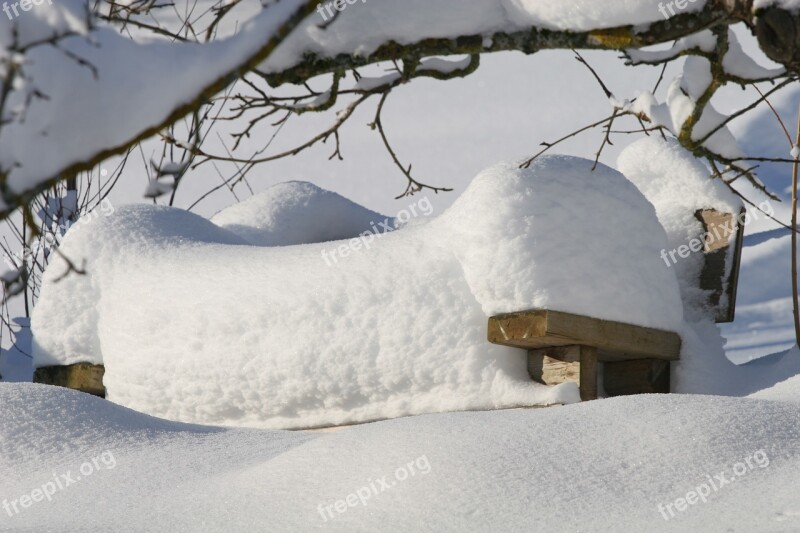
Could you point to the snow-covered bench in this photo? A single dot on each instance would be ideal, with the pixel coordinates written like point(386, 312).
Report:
point(561, 347)
point(635, 360)
point(705, 226)
point(194, 321)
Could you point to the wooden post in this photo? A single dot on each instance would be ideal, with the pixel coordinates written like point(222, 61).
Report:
point(588, 382)
point(555, 365)
point(561, 364)
point(715, 277)
point(640, 376)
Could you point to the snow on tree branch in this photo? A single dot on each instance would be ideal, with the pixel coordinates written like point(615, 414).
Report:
point(382, 31)
point(73, 92)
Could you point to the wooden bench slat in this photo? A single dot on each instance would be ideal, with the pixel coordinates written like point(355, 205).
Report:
point(615, 341)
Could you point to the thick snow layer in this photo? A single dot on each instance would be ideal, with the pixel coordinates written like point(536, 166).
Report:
point(576, 240)
point(611, 465)
point(298, 212)
point(675, 181)
point(192, 327)
point(678, 185)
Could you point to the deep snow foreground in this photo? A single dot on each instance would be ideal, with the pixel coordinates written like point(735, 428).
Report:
point(598, 466)
point(194, 325)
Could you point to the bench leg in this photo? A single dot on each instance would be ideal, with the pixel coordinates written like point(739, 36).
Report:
point(559, 364)
point(588, 383)
point(640, 376)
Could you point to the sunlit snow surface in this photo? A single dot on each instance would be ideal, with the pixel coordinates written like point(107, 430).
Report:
point(597, 466)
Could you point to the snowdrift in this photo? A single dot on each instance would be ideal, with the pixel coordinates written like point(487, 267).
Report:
point(297, 212)
point(195, 325)
point(608, 466)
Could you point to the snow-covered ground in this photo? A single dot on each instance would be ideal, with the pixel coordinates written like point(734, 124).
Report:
point(72, 462)
point(764, 323)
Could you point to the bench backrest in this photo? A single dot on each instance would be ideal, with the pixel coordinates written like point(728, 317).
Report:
point(722, 253)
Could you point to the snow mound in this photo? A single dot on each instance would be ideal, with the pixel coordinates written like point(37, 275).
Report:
point(561, 236)
point(626, 460)
point(298, 212)
point(678, 185)
point(196, 328)
point(675, 182)
point(73, 336)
